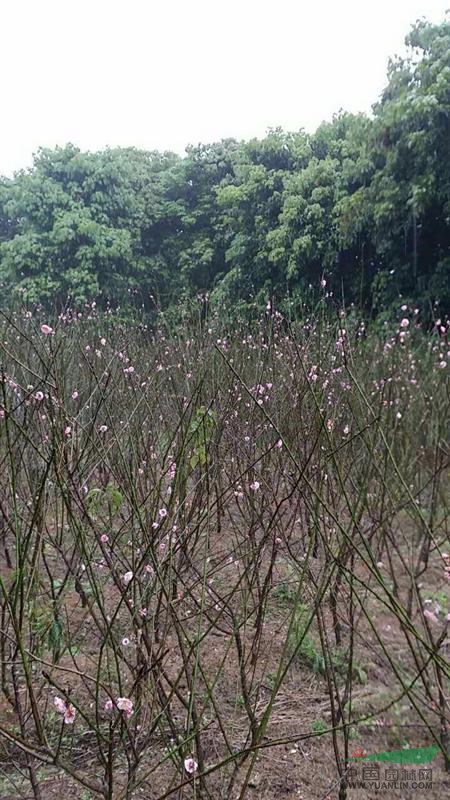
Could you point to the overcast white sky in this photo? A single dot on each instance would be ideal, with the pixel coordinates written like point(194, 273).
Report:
point(166, 73)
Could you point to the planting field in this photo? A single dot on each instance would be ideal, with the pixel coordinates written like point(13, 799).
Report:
point(224, 559)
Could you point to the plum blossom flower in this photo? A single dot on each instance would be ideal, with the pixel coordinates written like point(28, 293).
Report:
point(255, 486)
point(125, 704)
point(103, 428)
point(46, 329)
point(127, 578)
point(404, 323)
point(65, 708)
point(190, 765)
point(69, 714)
point(59, 704)
point(104, 538)
point(39, 396)
point(74, 394)
point(108, 705)
point(172, 471)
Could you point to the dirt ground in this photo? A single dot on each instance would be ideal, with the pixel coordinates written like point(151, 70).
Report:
point(301, 768)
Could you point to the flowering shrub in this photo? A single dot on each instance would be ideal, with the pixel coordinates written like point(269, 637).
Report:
point(185, 539)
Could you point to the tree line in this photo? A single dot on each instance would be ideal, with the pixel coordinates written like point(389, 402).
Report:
point(362, 204)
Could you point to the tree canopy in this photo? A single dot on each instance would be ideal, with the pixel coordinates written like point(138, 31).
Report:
point(363, 203)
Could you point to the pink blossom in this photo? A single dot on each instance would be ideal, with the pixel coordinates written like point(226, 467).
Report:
point(255, 486)
point(127, 578)
point(69, 714)
point(104, 538)
point(125, 641)
point(172, 471)
point(74, 394)
point(404, 323)
point(190, 765)
point(59, 704)
point(65, 708)
point(103, 428)
point(126, 705)
point(39, 396)
point(108, 705)
point(46, 329)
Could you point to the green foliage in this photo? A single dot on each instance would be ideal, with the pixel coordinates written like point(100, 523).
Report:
point(285, 592)
point(201, 430)
point(72, 228)
point(363, 201)
point(109, 499)
point(46, 629)
point(309, 652)
point(319, 726)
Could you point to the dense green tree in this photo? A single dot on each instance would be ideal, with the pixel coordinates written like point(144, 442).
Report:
point(251, 204)
point(78, 225)
point(364, 202)
point(405, 209)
